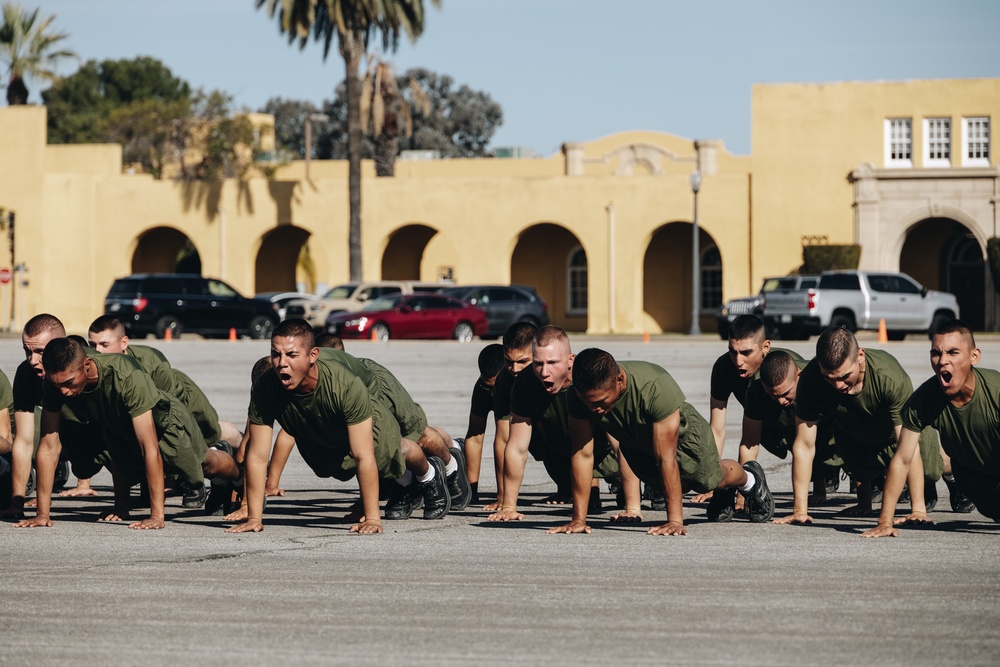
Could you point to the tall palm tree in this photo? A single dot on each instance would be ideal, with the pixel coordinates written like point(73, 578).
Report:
point(389, 112)
point(352, 22)
point(28, 49)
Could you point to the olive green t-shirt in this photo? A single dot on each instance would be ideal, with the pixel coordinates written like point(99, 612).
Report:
point(548, 413)
point(871, 416)
point(123, 391)
point(320, 418)
point(354, 365)
point(6, 393)
point(726, 378)
point(154, 363)
point(502, 389)
point(970, 434)
point(650, 395)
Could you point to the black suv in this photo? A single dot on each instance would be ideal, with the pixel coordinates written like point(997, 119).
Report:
point(504, 305)
point(154, 303)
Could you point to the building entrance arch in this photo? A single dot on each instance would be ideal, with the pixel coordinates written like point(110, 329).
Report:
point(551, 259)
point(666, 278)
point(165, 250)
point(284, 262)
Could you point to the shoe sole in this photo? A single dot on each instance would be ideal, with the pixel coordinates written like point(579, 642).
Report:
point(465, 491)
point(758, 472)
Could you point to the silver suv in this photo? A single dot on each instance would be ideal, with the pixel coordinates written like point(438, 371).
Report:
point(350, 297)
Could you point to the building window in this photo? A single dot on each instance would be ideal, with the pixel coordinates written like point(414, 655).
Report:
point(576, 282)
point(898, 142)
point(937, 142)
point(976, 142)
point(711, 279)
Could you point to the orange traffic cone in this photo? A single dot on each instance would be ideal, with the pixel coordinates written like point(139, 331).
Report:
point(232, 333)
point(645, 336)
point(168, 334)
point(883, 335)
point(374, 336)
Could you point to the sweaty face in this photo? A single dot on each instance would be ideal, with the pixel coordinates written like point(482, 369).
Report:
point(849, 378)
point(71, 382)
point(517, 360)
point(952, 358)
point(295, 363)
point(553, 365)
point(747, 355)
point(107, 342)
point(33, 348)
point(783, 393)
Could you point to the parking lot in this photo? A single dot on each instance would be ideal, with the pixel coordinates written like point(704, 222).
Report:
point(463, 591)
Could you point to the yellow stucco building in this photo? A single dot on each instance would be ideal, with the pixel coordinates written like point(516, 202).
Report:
point(602, 230)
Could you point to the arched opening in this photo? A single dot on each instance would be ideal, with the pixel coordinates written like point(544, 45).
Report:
point(943, 254)
point(284, 262)
point(165, 250)
point(404, 252)
point(550, 258)
point(666, 281)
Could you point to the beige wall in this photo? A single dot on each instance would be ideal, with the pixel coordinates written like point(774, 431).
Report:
point(625, 199)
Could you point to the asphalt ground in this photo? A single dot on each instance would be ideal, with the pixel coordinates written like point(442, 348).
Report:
point(464, 591)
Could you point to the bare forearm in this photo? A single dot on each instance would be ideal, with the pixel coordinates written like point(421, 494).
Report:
point(20, 457)
point(672, 483)
point(583, 473)
point(368, 483)
point(802, 463)
point(514, 463)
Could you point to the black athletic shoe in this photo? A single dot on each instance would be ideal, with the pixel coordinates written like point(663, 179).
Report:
point(832, 483)
point(760, 503)
point(195, 497)
point(458, 483)
point(720, 507)
point(960, 502)
point(220, 498)
point(400, 503)
point(877, 485)
point(437, 500)
point(930, 494)
point(657, 498)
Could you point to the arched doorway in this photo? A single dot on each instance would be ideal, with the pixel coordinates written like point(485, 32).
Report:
point(284, 261)
point(666, 282)
point(165, 250)
point(942, 254)
point(404, 253)
point(551, 259)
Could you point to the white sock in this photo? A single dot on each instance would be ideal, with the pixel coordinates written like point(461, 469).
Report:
point(405, 479)
point(427, 476)
point(750, 482)
point(451, 466)
point(456, 444)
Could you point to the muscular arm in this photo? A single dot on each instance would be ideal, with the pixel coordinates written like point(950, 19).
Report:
point(499, 448)
point(20, 456)
point(717, 420)
point(362, 442)
point(665, 433)
point(46, 461)
point(750, 440)
point(474, 436)
point(899, 469)
point(283, 446)
point(255, 473)
point(145, 433)
point(803, 453)
point(582, 469)
point(514, 459)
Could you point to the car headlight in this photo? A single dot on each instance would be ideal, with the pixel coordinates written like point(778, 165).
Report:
point(725, 311)
point(317, 307)
point(359, 322)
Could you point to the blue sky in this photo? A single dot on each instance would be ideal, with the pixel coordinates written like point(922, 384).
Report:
point(568, 70)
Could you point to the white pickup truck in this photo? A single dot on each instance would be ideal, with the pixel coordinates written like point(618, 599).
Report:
point(860, 300)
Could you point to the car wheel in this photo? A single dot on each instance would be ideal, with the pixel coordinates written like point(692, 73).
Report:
point(843, 320)
point(380, 331)
point(261, 327)
point(463, 332)
point(62, 475)
point(171, 323)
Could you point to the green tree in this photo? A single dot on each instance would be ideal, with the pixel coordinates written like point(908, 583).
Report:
point(79, 103)
point(28, 49)
point(352, 23)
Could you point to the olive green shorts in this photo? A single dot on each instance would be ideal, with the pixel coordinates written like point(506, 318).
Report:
point(697, 457)
point(182, 448)
point(409, 415)
point(201, 409)
point(337, 462)
point(868, 461)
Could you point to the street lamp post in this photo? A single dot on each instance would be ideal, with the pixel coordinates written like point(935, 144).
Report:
point(695, 259)
point(319, 118)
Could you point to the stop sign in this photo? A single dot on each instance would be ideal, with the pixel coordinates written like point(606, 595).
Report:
point(5, 275)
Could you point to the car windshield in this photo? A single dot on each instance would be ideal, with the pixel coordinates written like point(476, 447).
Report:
point(772, 284)
point(384, 303)
point(340, 292)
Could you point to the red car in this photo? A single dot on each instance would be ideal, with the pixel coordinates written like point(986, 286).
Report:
point(417, 315)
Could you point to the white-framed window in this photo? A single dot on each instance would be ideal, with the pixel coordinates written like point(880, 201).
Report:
point(898, 142)
point(711, 278)
point(937, 142)
point(576, 282)
point(976, 141)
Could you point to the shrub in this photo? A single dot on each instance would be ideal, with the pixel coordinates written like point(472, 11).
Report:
point(819, 258)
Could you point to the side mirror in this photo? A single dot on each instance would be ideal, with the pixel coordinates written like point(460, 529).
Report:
point(923, 292)
point(362, 297)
